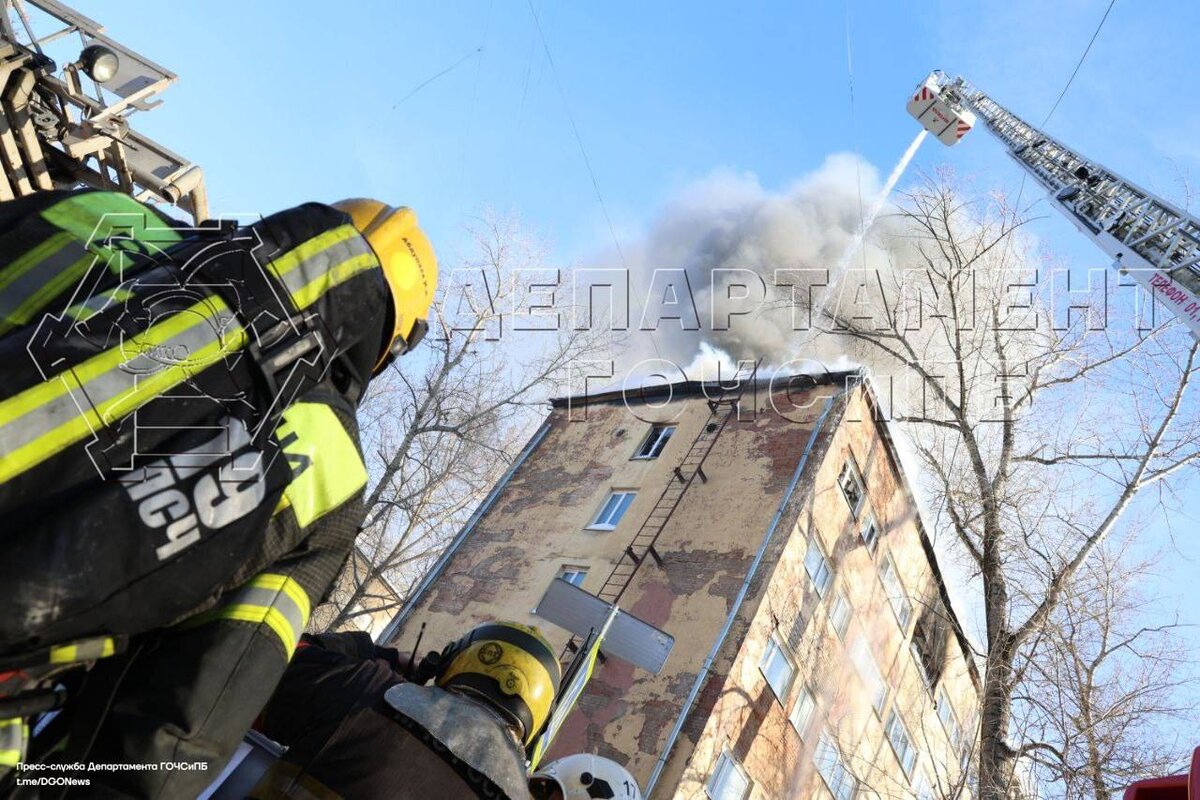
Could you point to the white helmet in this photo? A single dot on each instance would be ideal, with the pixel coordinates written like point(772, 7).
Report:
point(584, 776)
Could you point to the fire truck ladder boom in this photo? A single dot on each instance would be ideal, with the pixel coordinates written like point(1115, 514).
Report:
point(1153, 241)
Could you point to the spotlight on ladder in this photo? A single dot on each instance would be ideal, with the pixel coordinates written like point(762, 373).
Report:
point(99, 62)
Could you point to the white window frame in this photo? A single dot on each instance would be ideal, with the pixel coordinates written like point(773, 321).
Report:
point(567, 569)
point(945, 709)
point(778, 648)
point(868, 521)
point(822, 583)
point(657, 438)
point(840, 602)
point(869, 673)
point(726, 763)
point(841, 784)
point(922, 789)
point(849, 468)
point(908, 758)
point(806, 707)
point(597, 525)
point(896, 594)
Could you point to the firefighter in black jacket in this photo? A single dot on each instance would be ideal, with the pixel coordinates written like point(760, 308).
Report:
point(180, 472)
point(356, 727)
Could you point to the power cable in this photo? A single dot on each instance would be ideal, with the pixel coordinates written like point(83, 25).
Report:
point(428, 81)
point(1079, 64)
point(1067, 86)
point(862, 220)
point(586, 160)
point(575, 129)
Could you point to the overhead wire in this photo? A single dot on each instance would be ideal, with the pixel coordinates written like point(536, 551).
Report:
point(1079, 63)
point(428, 81)
point(862, 220)
point(470, 126)
point(583, 152)
point(1067, 86)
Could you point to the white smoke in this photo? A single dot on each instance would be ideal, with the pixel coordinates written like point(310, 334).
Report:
point(729, 222)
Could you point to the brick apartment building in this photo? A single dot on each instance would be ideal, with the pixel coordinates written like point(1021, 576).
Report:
point(815, 652)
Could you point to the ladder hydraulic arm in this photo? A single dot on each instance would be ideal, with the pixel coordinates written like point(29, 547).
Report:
point(1153, 241)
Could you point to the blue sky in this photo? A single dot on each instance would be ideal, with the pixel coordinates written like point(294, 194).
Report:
point(288, 101)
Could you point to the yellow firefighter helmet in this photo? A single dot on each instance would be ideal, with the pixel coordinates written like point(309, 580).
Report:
point(511, 667)
point(409, 265)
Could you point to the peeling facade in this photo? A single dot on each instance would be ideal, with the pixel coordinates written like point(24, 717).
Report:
point(853, 630)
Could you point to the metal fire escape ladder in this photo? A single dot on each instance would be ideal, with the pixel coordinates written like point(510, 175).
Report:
point(1153, 241)
point(722, 408)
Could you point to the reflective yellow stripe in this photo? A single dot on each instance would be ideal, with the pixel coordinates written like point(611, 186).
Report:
point(324, 261)
point(87, 222)
point(270, 599)
point(327, 469)
point(92, 217)
point(65, 654)
point(312, 291)
point(30, 259)
point(33, 427)
point(83, 650)
point(282, 583)
point(13, 735)
point(288, 636)
point(306, 250)
point(97, 303)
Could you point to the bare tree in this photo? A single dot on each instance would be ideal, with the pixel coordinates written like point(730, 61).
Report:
point(440, 428)
point(1036, 427)
point(1110, 682)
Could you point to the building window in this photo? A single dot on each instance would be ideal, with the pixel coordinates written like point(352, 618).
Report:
point(869, 672)
point(897, 734)
point(655, 441)
point(923, 790)
point(728, 780)
point(945, 713)
point(895, 592)
point(832, 769)
point(852, 486)
point(869, 531)
point(817, 566)
point(573, 575)
point(776, 666)
point(839, 614)
point(929, 642)
point(802, 711)
point(611, 512)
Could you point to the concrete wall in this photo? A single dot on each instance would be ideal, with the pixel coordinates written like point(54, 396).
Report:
point(538, 525)
point(751, 723)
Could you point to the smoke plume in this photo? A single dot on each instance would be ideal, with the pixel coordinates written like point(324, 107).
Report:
point(730, 222)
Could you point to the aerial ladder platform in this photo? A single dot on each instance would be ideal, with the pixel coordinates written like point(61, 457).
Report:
point(1151, 240)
